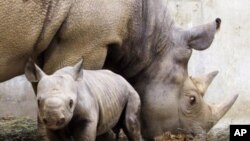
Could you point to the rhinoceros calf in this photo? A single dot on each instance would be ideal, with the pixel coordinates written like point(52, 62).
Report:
point(82, 104)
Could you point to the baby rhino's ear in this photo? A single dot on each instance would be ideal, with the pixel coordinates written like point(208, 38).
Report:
point(77, 73)
point(32, 72)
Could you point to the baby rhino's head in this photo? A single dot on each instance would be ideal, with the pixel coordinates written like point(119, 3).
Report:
point(56, 93)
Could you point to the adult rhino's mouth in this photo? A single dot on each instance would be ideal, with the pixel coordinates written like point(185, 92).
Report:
point(181, 129)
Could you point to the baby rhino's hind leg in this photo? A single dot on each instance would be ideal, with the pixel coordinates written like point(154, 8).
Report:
point(132, 117)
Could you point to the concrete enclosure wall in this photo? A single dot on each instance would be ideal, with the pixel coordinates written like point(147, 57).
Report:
point(17, 98)
point(229, 53)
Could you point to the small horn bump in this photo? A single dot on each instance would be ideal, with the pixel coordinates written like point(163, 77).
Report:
point(218, 23)
point(214, 73)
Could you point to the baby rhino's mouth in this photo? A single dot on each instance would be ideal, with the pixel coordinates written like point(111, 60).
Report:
point(54, 123)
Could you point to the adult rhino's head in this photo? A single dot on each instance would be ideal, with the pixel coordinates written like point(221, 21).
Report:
point(56, 93)
point(196, 115)
point(171, 100)
point(167, 70)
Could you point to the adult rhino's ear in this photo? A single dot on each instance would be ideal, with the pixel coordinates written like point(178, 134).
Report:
point(201, 37)
point(32, 72)
point(203, 82)
point(78, 70)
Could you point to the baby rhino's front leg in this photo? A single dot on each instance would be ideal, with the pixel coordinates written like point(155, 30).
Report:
point(87, 132)
point(58, 135)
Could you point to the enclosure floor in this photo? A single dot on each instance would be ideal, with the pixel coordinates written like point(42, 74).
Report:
point(25, 129)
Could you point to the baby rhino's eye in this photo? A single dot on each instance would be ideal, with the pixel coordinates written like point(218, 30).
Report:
point(71, 103)
point(192, 100)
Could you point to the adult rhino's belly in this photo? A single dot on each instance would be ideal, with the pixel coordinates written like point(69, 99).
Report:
point(90, 28)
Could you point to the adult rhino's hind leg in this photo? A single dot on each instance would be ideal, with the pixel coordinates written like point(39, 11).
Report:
point(132, 118)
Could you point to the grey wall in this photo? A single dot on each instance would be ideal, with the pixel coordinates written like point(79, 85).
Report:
point(17, 98)
point(229, 53)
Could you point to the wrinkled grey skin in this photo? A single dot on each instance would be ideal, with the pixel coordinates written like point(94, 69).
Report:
point(144, 45)
point(155, 63)
point(84, 103)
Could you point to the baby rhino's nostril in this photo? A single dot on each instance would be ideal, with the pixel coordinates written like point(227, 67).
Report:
point(60, 121)
point(45, 121)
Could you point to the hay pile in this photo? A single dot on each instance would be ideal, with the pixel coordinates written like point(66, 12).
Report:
point(18, 129)
point(172, 137)
point(220, 134)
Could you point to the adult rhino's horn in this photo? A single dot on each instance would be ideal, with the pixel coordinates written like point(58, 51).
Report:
point(221, 110)
point(203, 82)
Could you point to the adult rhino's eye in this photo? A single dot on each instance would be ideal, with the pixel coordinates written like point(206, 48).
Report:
point(192, 100)
point(71, 103)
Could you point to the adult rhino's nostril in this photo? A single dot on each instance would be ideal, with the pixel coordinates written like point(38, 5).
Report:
point(45, 121)
point(60, 121)
point(218, 23)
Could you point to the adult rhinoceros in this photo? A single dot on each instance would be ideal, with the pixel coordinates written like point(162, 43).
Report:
point(141, 40)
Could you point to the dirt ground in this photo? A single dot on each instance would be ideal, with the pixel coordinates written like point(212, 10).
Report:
point(25, 129)
point(171, 137)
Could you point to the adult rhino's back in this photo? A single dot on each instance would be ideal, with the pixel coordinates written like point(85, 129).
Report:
point(26, 29)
